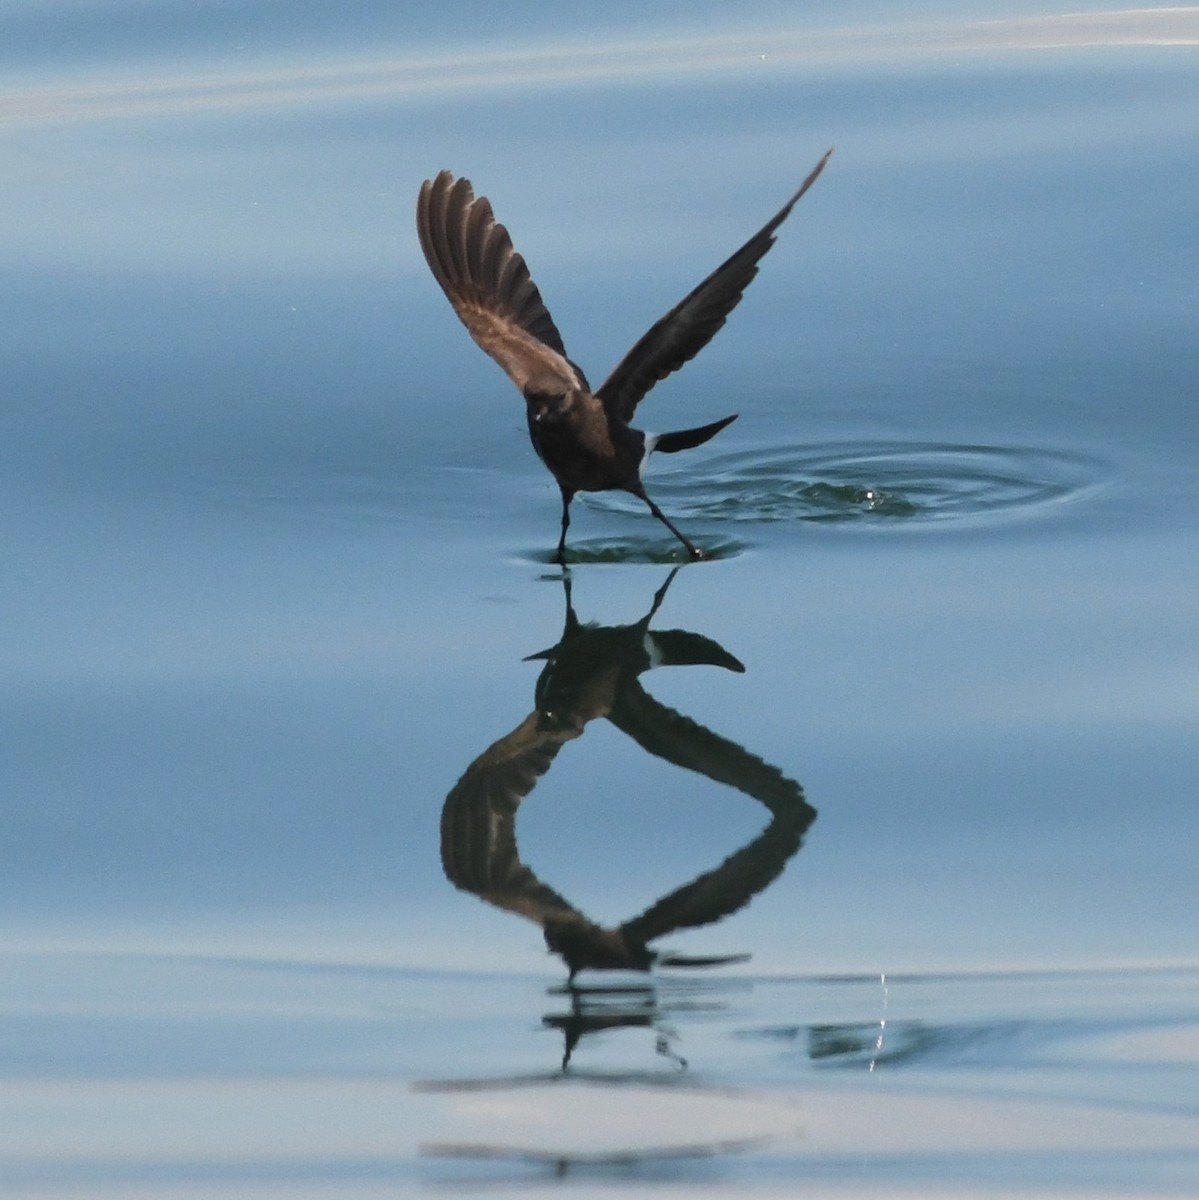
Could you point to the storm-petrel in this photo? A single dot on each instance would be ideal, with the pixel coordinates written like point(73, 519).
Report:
point(582, 436)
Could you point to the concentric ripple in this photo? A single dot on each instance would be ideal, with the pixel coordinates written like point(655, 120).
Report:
point(649, 549)
point(849, 481)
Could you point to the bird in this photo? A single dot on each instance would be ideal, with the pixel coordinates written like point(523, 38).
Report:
point(594, 671)
point(583, 436)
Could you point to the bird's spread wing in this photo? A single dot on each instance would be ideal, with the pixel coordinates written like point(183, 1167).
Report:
point(690, 325)
point(478, 824)
point(487, 282)
point(710, 897)
point(714, 895)
point(677, 739)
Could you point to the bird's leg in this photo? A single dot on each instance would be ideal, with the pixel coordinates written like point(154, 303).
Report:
point(694, 551)
point(659, 596)
point(567, 497)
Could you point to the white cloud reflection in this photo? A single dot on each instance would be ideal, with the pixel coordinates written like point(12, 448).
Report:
point(471, 70)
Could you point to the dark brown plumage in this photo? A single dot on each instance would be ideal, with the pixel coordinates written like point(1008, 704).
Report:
point(582, 436)
point(595, 672)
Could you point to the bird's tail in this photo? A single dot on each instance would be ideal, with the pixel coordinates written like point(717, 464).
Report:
point(686, 439)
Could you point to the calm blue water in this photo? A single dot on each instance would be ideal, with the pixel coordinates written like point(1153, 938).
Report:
point(285, 833)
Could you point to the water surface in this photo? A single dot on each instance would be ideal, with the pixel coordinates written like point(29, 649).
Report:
point(310, 749)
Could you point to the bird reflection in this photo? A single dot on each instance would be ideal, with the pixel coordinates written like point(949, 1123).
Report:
point(594, 671)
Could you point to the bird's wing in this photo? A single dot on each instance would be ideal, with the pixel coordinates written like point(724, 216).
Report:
point(677, 739)
point(716, 894)
point(691, 324)
point(487, 282)
point(478, 824)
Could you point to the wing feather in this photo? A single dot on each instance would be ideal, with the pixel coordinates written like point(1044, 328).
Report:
point(488, 284)
point(684, 331)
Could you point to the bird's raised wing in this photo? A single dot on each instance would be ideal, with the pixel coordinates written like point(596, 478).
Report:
point(712, 896)
point(690, 325)
point(478, 824)
point(487, 282)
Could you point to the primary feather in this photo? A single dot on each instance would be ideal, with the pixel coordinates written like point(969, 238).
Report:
point(684, 331)
point(488, 283)
point(583, 437)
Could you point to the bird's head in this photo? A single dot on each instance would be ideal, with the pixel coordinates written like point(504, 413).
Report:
point(545, 393)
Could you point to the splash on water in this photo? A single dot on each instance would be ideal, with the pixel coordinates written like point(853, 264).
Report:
point(864, 482)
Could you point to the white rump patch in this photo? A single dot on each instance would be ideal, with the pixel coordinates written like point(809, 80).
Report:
point(651, 441)
point(650, 645)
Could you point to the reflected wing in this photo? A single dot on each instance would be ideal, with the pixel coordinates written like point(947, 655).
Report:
point(669, 735)
point(717, 894)
point(708, 898)
point(487, 282)
point(478, 824)
point(690, 325)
